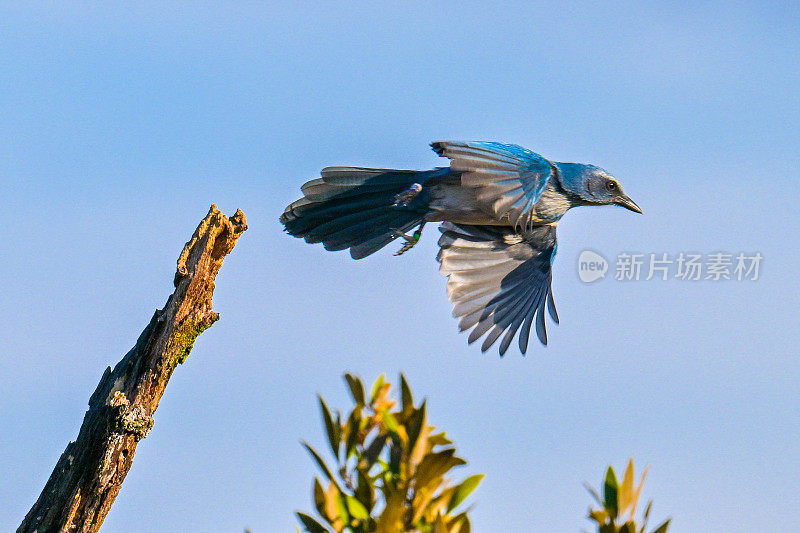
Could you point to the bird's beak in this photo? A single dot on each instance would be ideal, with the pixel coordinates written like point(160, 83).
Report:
point(627, 203)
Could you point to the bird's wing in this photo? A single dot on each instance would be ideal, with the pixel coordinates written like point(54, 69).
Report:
point(499, 280)
point(508, 179)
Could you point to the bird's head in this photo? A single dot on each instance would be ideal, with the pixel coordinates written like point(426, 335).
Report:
point(595, 186)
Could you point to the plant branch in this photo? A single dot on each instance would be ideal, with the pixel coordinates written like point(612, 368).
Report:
point(90, 472)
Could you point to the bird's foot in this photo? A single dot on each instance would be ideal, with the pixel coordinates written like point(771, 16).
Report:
point(411, 240)
point(404, 198)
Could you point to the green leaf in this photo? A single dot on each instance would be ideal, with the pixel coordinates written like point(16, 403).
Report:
point(435, 465)
point(320, 463)
point(638, 490)
point(598, 515)
point(647, 514)
point(610, 490)
point(459, 523)
point(319, 498)
point(463, 490)
point(354, 426)
point(439, 439)
point(663, 527)
point(376, 388)
point(311, 525)
point(341, 506)
point(395, 454)
point(628, 527)
point(466, 527)
point(365, 492)
point(390, 421)
point(626, 491)
point(357, 509)
point(333, 430)
point(406, 396)
point(356, 388)
point(372, 452)
point(414, 426)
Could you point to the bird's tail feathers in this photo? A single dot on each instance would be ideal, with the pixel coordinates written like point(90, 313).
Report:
point(362, 209)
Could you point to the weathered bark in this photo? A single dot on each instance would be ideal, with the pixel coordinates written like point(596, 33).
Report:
point(90, 472)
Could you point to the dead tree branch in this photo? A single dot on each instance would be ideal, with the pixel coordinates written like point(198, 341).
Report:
point(90, 472)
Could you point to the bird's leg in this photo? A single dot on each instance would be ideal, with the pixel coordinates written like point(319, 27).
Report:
point(411, 240)
point(402, 199)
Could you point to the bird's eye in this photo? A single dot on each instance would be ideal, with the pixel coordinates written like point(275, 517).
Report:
point(612, 186)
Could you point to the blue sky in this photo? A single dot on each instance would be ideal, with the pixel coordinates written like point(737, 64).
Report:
point(120, 126)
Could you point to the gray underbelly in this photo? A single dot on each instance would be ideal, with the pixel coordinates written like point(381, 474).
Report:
point(454, 203)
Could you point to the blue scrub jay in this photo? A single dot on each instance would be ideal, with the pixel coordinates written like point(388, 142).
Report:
point(499, 204)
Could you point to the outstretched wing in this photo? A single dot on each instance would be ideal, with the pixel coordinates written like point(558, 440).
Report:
point(499, 280)
point(508, 179)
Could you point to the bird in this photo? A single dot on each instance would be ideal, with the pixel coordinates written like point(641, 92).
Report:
point(498, 205)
